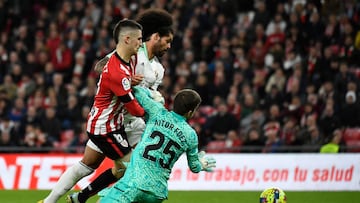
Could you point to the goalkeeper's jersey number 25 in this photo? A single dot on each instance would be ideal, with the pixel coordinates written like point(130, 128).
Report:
point(167, 151)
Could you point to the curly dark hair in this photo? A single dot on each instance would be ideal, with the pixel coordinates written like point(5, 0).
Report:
point(155, 20)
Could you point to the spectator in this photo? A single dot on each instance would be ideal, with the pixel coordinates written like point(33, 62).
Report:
point(79, 65)
point(326, 91)
point(256, 118)
point(9, 87)
point(307, 110)
point(276, 37)
point(341, 80)
point(332, 30)
point(261, 14)
point(273, 97)
point(289, 132)
point(4, 107)
point(315, 27)
point(17, 112)
point(313, 140)
point(70, 115)
point(329, 121)
point(73, 42)
point(248, 105)
point(294, 108)
point(274, 114)
point(277, 21)
point(50, 125)
point(253, 142)
point(35, 137)
point(31, 117)
point(221, 123)
point(257, 53)
point(232, 142)
point(202, 87)
point(8, 133)
point(278, 79)
point(32, 67)
point(79, 140)
point(273, 141)
point(333, 146)
point(87, 93)
point(6, 141)
point(350, 112)
point(59, 89)
point(220, 84)
point(233, 106)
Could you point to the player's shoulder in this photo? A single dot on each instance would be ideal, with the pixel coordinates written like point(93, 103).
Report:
point(141, 57)
point(156, 62)
point(118, 67)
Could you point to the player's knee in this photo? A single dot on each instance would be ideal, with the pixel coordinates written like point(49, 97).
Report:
point(92, 158)
point(82, 169)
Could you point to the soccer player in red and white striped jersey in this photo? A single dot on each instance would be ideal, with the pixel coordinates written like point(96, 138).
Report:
point(105, 126)
point(157, 35)
point(113, 95)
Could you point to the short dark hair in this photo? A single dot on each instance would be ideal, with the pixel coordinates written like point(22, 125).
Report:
point(155, 20)
point(186, 100)
point(124, 24)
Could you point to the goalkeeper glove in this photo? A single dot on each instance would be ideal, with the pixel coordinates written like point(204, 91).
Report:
point(208, 163)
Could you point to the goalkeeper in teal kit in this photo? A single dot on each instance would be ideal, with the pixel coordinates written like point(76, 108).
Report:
point(166, 137)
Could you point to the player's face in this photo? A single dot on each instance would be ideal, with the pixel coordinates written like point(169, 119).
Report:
point(163, 45)
point(136, 41)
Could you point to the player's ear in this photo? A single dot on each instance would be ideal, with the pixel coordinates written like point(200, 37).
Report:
point(127, 39)
point(155, 36)
point(189, 114)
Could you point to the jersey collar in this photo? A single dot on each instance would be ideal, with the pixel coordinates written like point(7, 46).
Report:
point(144, 49)
point(178, 116)
point(122, 60)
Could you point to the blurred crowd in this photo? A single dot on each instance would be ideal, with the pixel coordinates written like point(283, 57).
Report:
point(274, 75)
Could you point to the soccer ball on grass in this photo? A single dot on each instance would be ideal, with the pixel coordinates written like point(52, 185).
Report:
point(273, 195)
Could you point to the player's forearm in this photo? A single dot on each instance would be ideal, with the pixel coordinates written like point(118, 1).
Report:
point(134, 108)
point(195, 166)
point(193, 161)
point(144, 98)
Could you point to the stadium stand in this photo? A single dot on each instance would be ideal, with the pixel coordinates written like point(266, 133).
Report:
point(293, 63)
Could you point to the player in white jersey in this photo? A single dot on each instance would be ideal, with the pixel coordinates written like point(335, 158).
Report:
point(157, 36)
point(105, 126)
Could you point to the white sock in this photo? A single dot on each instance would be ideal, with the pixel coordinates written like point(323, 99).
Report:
point(67, 181)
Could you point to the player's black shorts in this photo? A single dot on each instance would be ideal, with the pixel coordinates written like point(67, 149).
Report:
point(114, 145)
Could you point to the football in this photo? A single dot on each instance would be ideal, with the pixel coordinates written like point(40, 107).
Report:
point(273, 195)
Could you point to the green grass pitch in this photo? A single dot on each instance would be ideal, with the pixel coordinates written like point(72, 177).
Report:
point(28, 196)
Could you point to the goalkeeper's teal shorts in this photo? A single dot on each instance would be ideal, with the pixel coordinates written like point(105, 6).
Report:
point(117, 195)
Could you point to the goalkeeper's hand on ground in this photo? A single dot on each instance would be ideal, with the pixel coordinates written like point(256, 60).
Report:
point(156, 95)
point(208, 163)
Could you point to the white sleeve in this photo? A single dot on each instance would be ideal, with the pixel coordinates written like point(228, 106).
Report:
point(159, 69)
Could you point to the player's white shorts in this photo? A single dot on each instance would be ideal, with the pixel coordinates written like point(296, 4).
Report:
point(134, 128)
point(93, 146)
